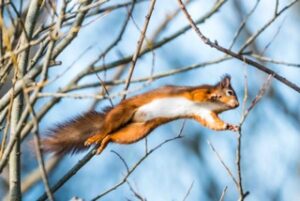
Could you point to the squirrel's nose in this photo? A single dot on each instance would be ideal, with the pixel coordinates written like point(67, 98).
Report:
point(236, 103)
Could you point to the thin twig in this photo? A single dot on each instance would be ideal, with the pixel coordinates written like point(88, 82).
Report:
point(223, 163)
point(188, 192)
point(122, 159)
point(139, 46)
point(135, 193)
point(106, 90)
point(243, 23)
point(223, 194)
point(257, 98)
point(262, 29)
point(137, 164)
point(274, 61)
point(273, 37)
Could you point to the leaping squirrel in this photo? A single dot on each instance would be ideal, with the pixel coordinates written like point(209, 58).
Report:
point(134, 118)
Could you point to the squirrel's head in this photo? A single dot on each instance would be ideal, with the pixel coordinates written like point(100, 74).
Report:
point(223, 93)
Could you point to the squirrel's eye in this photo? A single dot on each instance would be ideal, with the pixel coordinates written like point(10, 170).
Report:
point(229, 93)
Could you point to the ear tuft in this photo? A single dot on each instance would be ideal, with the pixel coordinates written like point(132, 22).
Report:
point(225, 82)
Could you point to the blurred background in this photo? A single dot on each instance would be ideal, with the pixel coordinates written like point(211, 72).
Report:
point(182, 169)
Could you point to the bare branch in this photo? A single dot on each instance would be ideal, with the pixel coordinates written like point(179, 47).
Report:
point(238, 55)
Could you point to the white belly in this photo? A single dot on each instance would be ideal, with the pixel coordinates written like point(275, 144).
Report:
point(174, 107)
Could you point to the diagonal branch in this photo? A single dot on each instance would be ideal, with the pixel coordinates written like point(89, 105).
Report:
point(237, 55)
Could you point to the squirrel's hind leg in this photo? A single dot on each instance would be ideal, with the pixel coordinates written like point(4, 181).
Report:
point(98, 139)
point(136, 131)
point(103, 144)
point(129, 134)
point(126, 135)
point(94, 139)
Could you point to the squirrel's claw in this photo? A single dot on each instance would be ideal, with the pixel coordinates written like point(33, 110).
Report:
point(99, 150)
point(95, 139)
point(234, 128)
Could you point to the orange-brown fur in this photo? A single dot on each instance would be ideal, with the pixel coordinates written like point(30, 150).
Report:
point(117, 125)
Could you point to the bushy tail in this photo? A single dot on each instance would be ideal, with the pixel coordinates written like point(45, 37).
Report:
point(70, 136)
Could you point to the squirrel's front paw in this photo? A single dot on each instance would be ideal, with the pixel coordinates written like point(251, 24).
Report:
point(232, 127)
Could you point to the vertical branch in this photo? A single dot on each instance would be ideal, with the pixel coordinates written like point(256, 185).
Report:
point(1, 42)
point(30, 22)
point(139, 47)
point(245, 113)
point(14, 160)
point(242, 195)
point(239, 147)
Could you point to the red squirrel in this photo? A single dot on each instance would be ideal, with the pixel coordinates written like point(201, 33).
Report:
point(134, 118)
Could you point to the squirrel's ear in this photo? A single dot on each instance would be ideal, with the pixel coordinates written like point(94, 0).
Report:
point(225, 82)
